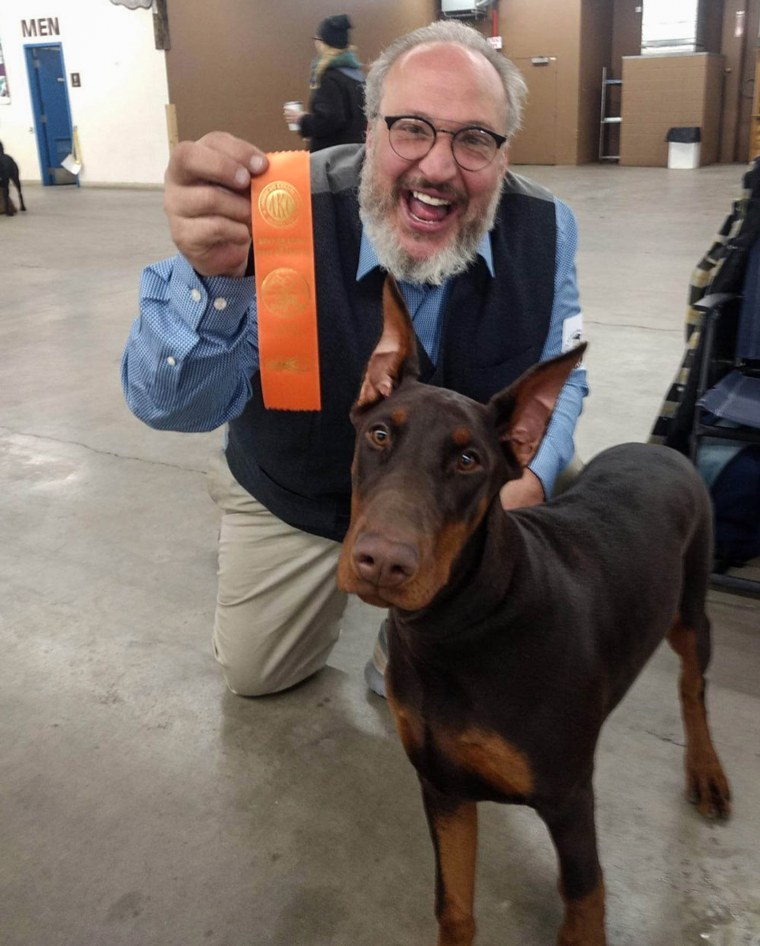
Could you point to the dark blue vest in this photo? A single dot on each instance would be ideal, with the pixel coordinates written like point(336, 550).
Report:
point(297, 463)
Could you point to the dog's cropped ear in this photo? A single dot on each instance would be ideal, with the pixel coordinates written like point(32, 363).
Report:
point(395, 355)
point(523, 410)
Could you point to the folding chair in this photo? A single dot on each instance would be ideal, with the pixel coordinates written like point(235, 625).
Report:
point(712, 410)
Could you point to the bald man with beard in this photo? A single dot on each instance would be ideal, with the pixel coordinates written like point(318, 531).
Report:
point(485, 260)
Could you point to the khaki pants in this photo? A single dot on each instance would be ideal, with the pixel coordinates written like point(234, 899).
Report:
point(278, 609)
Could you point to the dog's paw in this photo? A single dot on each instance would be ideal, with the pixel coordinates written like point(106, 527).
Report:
point(707, 787)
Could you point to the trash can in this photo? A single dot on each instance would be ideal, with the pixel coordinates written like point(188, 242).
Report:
point(683, 147)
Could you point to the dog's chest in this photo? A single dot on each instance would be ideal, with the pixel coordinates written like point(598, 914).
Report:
point(468, 760)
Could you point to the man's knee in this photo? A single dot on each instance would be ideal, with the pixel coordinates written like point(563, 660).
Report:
point(252, 679)
point(247, 682)
point(272, 666)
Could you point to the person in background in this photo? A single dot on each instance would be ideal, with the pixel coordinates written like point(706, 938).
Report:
point(485, 260)
point(336, 103)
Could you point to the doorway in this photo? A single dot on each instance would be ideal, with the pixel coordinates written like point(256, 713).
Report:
point(52, 114)
point(536, 142)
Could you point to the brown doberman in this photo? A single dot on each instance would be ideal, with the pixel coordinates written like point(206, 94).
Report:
point(512, 636)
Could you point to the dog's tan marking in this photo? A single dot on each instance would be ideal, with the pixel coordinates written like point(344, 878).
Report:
point(435, 571)
point(706, 782)
point(408, 724)
point(456, 837)
point(461, 436)
point(400, 416)
point(584, 920)
point(451, 540)
point(483, 753)
point(437, 561)
point(492, 758)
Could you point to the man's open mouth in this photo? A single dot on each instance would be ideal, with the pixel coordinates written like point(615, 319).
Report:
point(426, 208)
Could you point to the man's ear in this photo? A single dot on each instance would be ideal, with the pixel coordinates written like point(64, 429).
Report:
point(521, 412)
point(395, 355)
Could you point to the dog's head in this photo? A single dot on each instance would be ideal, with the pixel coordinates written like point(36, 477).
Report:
point(428, 463)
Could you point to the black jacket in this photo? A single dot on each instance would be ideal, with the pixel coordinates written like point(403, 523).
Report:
point(336, 110)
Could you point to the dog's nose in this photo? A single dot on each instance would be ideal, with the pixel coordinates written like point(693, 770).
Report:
point(384, 562)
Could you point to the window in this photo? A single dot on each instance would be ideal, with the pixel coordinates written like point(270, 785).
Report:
point(670, 26)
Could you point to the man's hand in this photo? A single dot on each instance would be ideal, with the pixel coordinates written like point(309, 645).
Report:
point(527, 491)
point(208, 201)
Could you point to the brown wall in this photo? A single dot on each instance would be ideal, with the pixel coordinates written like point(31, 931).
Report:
point(710, 25)
point(734, 51)
point(234, 62)
point(562, 115)
point(626, 34)
point(546, 29)
point(595, 51)
point(747, 82)
point(663, 92)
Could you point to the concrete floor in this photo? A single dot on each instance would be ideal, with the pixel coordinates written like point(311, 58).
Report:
point(142, 804)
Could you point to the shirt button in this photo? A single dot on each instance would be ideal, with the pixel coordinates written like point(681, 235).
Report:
point(220, 304)
point(195, 295)
point(171, 361)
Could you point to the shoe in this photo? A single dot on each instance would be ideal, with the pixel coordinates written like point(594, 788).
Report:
point(374, 671)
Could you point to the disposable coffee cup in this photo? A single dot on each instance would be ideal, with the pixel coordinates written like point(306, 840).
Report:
point(293, 126)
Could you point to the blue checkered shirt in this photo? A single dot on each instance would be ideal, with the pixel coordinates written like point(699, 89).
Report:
point(194, 347)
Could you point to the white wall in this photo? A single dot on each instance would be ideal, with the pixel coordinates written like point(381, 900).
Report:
point(119, 110)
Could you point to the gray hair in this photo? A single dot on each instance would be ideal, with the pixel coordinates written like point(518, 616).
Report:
point(448, 31)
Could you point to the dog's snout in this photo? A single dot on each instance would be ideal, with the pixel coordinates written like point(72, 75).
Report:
point(384, 562)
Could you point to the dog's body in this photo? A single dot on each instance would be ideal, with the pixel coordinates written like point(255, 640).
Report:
point(9, 174)
point(513, 636)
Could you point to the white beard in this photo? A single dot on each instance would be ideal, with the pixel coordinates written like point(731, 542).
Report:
point(376, 207)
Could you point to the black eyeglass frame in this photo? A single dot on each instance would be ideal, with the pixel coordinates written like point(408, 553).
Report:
point(390, 121)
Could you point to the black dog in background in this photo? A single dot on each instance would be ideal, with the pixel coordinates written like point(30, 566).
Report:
point(8, 173)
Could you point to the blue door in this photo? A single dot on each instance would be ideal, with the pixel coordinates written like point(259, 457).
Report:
point(52, 115)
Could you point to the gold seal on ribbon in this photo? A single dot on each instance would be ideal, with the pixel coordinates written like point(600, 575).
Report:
point(279, 204)
point(285, 293)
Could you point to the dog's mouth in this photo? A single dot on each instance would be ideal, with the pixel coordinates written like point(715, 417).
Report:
point(386, 598)
point(409, 592)
point(375, 599)
point(371, 592)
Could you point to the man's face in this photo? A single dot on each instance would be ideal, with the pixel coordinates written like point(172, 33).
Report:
point(426, 217)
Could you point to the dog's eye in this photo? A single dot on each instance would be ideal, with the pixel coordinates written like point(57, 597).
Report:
point(379, 435)
point(467, 461)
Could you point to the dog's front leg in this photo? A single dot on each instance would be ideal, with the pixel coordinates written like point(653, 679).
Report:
point(453, 827)
point(573, 832)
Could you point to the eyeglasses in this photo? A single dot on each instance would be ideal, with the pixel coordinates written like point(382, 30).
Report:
point(412, 138)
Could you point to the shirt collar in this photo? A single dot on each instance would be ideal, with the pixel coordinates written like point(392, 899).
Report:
point(368, 257)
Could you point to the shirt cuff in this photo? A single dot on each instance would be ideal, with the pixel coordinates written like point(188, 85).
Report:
point(547, 465)
point(210, 305)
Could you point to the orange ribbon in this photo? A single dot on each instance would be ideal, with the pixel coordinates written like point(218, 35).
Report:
point(283, 251)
